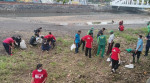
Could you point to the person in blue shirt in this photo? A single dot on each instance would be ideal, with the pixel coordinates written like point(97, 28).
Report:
point(77, 41)
point(139, 49)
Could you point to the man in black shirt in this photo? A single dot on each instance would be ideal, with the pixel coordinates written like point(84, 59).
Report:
point(37, 31)
point(101, 32)
point(33, 41)
point(147, 44)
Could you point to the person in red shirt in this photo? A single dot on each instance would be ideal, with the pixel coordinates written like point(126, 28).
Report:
point(51, 38)
point(89, 41)
point(83, 42)
point(8, 43)
point(115, 56)
point(39, 75)
point(121, 28)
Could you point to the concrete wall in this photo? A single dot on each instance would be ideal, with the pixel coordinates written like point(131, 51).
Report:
point(50, 8)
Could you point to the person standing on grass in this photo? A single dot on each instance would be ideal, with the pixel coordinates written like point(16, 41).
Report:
point(37, 32)
point(77, 41)
point(8, 44)
point(39, 75)
point(91, 31)
point(101, 32)
point(101, 44)
point(111, 42)
point(115, 57)
point(82, 42)
point(147, 44)
point(139, 49)
point(89, 41)
point(148, 27)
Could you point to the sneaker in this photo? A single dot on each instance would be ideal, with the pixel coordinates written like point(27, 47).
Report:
point(113, 70)
point(11, 54)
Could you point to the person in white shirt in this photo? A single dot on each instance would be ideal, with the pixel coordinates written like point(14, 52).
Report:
point(111, 42)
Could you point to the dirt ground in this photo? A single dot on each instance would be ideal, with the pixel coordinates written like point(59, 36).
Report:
point(64, 66)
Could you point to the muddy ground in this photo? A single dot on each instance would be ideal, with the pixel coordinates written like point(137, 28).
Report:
point(24, 24)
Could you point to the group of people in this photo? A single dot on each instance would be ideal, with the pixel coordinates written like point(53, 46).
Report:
point(40, 75)
point(87, 41)
point(48, 41)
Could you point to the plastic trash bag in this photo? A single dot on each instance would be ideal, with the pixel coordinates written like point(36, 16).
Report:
point(38, 40)
point(130, 66)
point(23, 45)
point(108, 60)
point(73, 46)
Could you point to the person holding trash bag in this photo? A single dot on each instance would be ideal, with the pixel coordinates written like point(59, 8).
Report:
point(89, 41)
point(33, 41)
point(111, 42)
point(18, 40)
point(8, 44)
point(77, 41)
point(101, 44)
point(139, 49)
point(39, 75)
point(115, 57)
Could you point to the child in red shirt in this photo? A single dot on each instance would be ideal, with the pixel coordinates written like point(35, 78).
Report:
point(8, 43)
point(89, 41)
point(39, 75)
point(115, 56)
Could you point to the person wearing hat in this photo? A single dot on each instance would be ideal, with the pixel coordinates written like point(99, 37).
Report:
point(39, 75)
point(101, 44)
point(110, 42)
point(101, 32)
point(91, 31)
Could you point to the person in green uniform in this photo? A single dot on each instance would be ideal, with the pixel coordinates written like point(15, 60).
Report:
point(90, 31)
point(148, 26)
point(101, 44)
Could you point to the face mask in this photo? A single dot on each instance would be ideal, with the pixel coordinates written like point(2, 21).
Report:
point(39, 70)
point(138, 38)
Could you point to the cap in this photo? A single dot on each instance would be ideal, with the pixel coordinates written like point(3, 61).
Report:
point(111, 31)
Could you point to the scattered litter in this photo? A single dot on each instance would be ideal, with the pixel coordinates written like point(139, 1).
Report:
point(89, 23)
point(108, 60)
point(23, 45)
point(63, 24)
point(39, 40)
point(73, 46)
point(104, 23)
point(130, 66)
